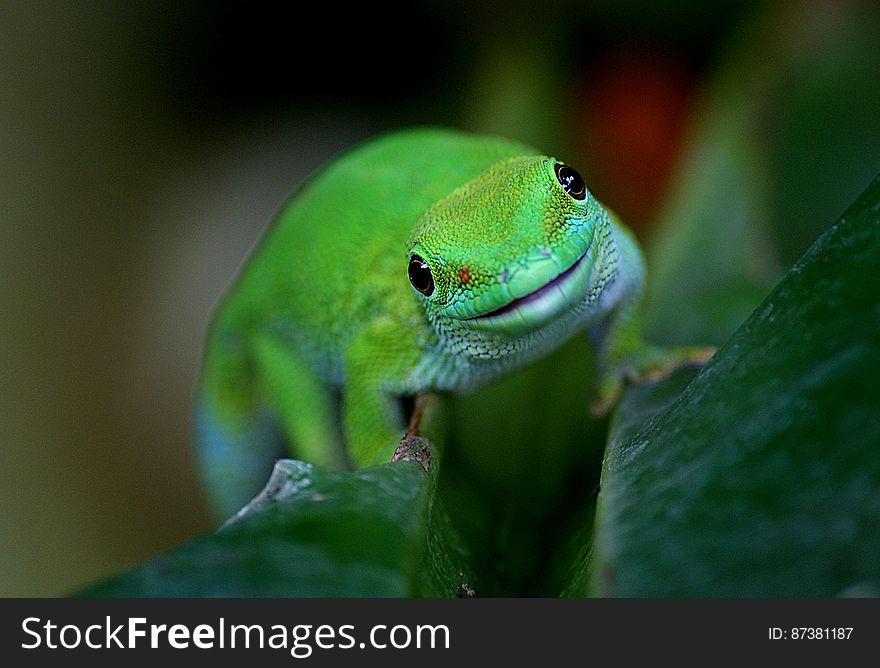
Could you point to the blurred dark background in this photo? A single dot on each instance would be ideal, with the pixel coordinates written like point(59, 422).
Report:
point(144, 147)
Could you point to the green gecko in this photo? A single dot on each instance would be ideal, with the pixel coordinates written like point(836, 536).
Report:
point(426, 260)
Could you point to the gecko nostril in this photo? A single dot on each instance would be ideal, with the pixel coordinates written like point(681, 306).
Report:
point(502, 277)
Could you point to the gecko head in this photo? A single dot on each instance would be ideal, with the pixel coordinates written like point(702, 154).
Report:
point(510, 252)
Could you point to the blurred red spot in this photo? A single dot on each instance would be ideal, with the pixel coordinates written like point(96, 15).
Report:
point(465, 275)
point(634, 106)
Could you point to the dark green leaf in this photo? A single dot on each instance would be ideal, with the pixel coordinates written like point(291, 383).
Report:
point(375, 532)
point(763, 477)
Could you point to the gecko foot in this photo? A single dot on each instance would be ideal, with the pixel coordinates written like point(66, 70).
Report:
point(652, 365)
point(414, 448)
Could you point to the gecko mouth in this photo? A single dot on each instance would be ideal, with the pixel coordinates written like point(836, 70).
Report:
point(540, 305)
point(554, 285)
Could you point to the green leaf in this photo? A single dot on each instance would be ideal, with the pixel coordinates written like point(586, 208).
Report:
point(375, 532)
point(761, 478)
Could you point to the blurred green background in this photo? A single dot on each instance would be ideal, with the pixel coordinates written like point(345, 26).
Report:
point(144, 147)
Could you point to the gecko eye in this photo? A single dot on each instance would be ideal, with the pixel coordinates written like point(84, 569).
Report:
point(571, 181)
point(420, 276)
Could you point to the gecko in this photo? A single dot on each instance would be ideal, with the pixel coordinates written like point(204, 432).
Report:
point(422, 261)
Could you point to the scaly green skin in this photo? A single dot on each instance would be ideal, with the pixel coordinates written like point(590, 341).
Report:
point(324, 307)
